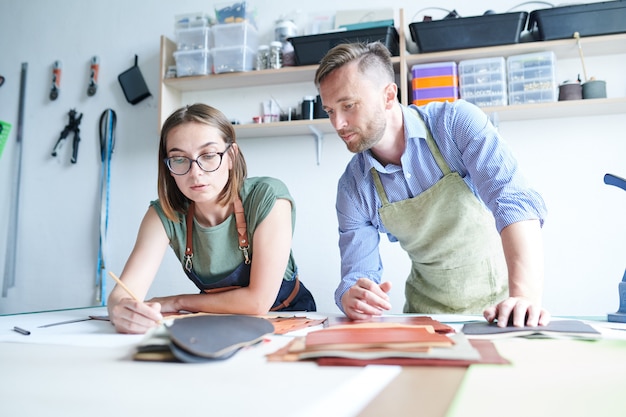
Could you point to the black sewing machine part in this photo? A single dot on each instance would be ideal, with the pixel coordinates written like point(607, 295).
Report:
point(72, 126)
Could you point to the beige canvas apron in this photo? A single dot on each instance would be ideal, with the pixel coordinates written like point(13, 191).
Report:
point(457, 260)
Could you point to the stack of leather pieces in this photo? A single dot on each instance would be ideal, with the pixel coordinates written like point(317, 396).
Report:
point(394, 340)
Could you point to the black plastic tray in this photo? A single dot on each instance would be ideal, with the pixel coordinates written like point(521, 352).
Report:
point(468, 32)
point(592, 19)
point(309, 50)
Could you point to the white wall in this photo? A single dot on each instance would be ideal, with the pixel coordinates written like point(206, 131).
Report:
point(57, 242)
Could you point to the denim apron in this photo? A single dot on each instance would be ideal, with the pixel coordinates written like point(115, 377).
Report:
point(457, 261)
point(292, 296)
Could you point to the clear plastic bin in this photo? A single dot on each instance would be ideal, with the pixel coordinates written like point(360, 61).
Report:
point(235, 34)
point(532, 78)
point(536, 96)
point(193, 62)
point(237, 12)
point(194, 38)
point(483, 81)
point(191, 20)
point(235, 59)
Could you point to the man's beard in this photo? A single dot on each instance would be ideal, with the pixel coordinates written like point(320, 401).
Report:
point(369, 138)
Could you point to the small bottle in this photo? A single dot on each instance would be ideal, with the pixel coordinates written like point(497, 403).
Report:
point(276, 55)
point(308, 108)
point(262, 57)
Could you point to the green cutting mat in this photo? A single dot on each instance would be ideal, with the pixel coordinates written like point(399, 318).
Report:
point(5, 128)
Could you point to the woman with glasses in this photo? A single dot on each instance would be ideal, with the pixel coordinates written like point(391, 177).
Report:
point(232, 234)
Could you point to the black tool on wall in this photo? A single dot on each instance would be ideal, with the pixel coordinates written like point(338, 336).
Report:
point(133, 84)
point(71, 127)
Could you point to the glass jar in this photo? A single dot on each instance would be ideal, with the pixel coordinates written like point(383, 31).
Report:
point(276, 55)
point(262, 57)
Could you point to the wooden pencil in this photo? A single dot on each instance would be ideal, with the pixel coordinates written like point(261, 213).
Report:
point(124, 287)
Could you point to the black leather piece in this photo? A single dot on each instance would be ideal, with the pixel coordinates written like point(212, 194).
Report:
point(216, 336)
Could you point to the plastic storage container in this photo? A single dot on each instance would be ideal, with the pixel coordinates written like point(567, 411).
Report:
point(234, 59)
point(191, 20)
point(468, 32)
point(309, 50)
point(193, 62)
point(236, 12)
point(235, 34)
point(592, 19)
point(483, 81)
point(532, 78)
point(434, 82)
point(194, 38)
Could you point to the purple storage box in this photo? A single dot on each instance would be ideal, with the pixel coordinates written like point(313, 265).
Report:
point(437, 92)
point(434, 70)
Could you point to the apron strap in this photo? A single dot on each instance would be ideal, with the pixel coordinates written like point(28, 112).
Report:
point(434, 149)
point(379, 186)
point(290, 298)
point(242, 232)
point(191, 210)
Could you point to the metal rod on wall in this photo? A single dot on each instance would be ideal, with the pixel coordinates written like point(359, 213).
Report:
point(11, 247)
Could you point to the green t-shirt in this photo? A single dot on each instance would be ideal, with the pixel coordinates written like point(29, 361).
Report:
point(216, 250)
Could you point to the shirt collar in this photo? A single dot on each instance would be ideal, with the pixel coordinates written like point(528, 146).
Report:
point(413, 131)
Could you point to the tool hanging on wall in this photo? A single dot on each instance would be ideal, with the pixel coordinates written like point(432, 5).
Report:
point(133, 84)
point(72, 126)
point(108, 121)
point(56, 80)
point(11, 246)
point(5, 128)
point(93, 76)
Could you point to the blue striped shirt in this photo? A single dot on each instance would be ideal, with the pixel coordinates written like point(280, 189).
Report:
point(470, 146)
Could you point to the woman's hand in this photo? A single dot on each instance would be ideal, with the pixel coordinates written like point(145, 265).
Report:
point(135, 317)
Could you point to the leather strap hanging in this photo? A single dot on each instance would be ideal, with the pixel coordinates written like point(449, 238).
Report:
point(242, 231)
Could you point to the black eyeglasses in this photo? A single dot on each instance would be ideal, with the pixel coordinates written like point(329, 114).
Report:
point(208, 162)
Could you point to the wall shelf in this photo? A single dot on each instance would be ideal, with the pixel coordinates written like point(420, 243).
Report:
point(570, 108)
point(317, 127)
point(562, 48)
point(172, 90)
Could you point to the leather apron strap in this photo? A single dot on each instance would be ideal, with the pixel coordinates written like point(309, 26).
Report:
point(242, 232)
point(244, 244)
point(291, 297)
